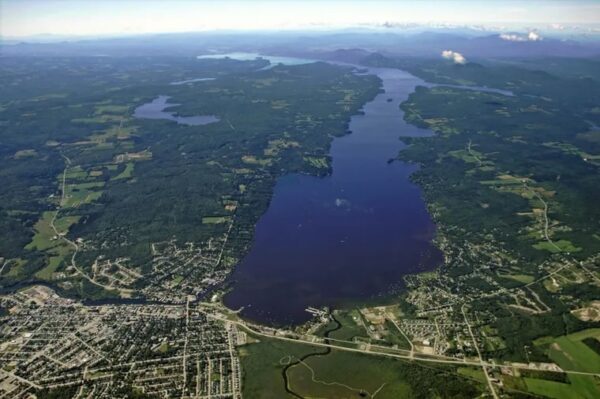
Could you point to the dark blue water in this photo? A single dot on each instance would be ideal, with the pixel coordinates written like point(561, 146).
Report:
point(346, 237)
point(156, 110)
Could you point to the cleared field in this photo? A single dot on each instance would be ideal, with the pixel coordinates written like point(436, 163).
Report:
point(563, 246)
point(127, 172)
point(317, 162)
point(570, 353)
point(84, 193)
point(341, 374)
point(346, 375)
point(350, 326)
point(522, 278)
point(551, 389)
point(53, 264)
point(262, 369)
point(474, 373)
point(215, 219)
point(45, 239)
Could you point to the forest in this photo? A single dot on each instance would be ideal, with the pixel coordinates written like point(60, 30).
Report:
point(75, 162)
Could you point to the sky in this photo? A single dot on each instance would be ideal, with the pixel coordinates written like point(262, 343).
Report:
point(20, 18)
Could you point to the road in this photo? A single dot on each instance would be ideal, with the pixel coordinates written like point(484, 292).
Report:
point(62, 235)
point(546, 221)
point(185, 345)
point(412, 347)
point(481, 362)
point(417, 357)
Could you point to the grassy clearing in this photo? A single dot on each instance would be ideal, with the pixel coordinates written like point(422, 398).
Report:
point(276, 146)
point(144, 155)
point(351, 326)
point(53, 264)
point(45, 239)
point(63, 223)
point(101, 118)
point(342, 374)
point(551, 389)
point(14, 267)
point(74, 173)
point(571, 353)
point(111, 109)
point(474, 373)
point(261, 367)
point(572, 150)
point(563, 246)
point(177, 279)
point(113, 132)
point(522, 278)
point(215, 219)
point(29, 153)
point(126, 173)
point(164, 347)
point(346, 375)
point(252, 160)
point(82, 193)
point(465, 156)
point(317, 162)
point(501, 182)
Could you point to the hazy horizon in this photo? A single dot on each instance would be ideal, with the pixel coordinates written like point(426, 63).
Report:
point(66, 18)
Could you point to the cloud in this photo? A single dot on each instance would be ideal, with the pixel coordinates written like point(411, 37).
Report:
point(458, 58)
point(511, 37)
point(532, 36)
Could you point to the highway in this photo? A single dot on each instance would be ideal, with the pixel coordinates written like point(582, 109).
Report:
point(314, 341)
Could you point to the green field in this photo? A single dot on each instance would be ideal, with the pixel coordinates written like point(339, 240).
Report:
point(45, 239)
point(350, 326)
point(127, 172)
point(44, 234)
point(552, 389)
point(474, 373)
point(563, 246)
point(341, 374)
point(262, 369)
point(522, 278)
point(570, 353)
point(345, 375)
point(83, 193)
point(215, 219)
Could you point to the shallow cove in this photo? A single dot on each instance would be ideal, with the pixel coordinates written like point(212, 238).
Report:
point(346, 237)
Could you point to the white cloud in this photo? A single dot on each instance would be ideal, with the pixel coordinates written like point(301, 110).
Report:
point(512, 37)
point(532, 36)
point(458, 58)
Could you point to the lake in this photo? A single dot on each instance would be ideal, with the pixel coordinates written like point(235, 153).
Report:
point(347, 237)
point(274, 60)
point(156, 110)
point(188, 81)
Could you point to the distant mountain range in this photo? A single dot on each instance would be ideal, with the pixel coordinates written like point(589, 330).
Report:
point(422, 44)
